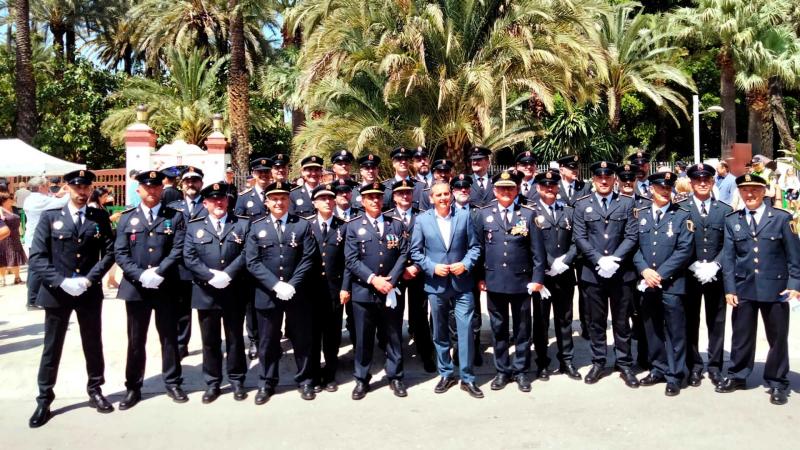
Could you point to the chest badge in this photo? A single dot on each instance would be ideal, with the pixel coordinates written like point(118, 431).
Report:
point(643, 222)
point(262, 233)
point(57, 225)
point(362, 231)
point(520, 229)
point(299, 201)
point(135, 221)
point(250, 204)
point(167, 226)
point(236, 237)
point(589, 209)
point(200, 234)
point(489, 219)
point(293, 242)
point(669, 230)
point(737, 227)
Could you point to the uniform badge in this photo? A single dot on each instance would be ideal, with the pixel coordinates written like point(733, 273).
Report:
point(250, 204)
point(690, 226)
point(520, 229)
point(362, 231)
point(558, 196)
point(299, 202)
point(135, 221)
point(392, 241)
point(358, 199)
point(97, 233)
point(737, 227)
point(262, 233)
point(643, 222)
point(669, 230)
point(338, 235)
point(489, 236)
point(489, 219)
point(57, 225)
point(236, 237)
point(539, 221)
point(567, 226)
point(167, 226)
point(293, 242)
point(200, 234)
point(589, 209)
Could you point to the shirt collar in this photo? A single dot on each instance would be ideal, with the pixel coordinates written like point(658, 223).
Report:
point(371, 220)
point(155, 209)
point(214, 220)
point(73, 210)
point(321, 221)
point(400, 210)
point(663, 209)
point(699, 202)
point(759, 211)
point(282, 218)
point(607, 197)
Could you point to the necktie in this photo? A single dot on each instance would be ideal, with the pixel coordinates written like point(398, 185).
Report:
point(506, 221)
point(553, 212)
point(658, 215)
point(703, 210)
point(219, 227)
point(377, 228)
point(324, 230)
point(405, 218)
point(643, 188)
point(524, 188)
point(480, 182)
point(80, 219)
point(570, 191)
point(191, 207)
point(279, 229)
point(753, 222)
point(150, 219)
point(605, 204)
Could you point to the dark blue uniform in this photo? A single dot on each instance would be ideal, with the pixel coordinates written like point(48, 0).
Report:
point(301, 204)
point(600, 232)
point(579, 189)
point(557, 238)
point(420, 197)
point(271, 259)
point(206, 248)
point(481, 196)
point(513, 256)
point(757, 267)
point(666, 247)
point(140, 246)
point(250, 204)
point(60, 250)
point(385, 254)
point(184, 283)
point(709, 236)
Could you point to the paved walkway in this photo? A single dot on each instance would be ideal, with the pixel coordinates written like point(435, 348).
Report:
point(557, 413)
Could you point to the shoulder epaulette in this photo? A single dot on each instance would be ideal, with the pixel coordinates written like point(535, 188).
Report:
point(783, 210)
point(260, 219)
point(242, 217)
point(128, 210)
point(197, 219)
point(389, 211)
point(295, 188)
point(724, 203)
point(484, 206)
point(735, 211)
point(682, 200)
point(528, 207)
point(353, 218)
point(585, 196)
point(625, 195)
point(245, 191)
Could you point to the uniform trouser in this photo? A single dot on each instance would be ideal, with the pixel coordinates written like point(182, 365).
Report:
point(34, 283)
point(251, 318)
point(583, 309)
point(183, 312)
point(665, 325)
point(598, 299)
point(369, 318)
point(349, 323)
point(56, 322)
point(418, 323)
point(476, 322)
point(462, 304)
point(211, 321)
point(714, 299)
point(327, 336)
point(299, 330)
point(139, 313)
point(637, 325)
point(520, 306)
point(562, 290)
point(744, 321)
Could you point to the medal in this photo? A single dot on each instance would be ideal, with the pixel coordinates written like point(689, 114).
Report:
point(489, 236)
point(167, 226)
point(293, 243)
point(669, 230)
point(338, 235)
point(57, 225)
point(236, 238)
point(200, 234)
point(97, 231)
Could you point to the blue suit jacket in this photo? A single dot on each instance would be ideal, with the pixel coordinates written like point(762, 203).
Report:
point(428, 249)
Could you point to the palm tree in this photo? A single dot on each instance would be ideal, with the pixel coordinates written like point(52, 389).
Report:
point(25, 83)
point(238, 88)
point(113, 40)
point(641, 60)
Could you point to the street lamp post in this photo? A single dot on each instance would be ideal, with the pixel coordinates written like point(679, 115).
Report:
point(696, 113)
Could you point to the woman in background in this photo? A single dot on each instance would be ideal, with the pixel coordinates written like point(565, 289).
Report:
point(12, 255)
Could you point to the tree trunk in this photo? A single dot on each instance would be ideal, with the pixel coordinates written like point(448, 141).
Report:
point(238, 90)
point(127, 61)
point(25, 84)
point(616, 112)
point(294, 40)
point(728, 102)
point(70, 45)
point(58, 33)
point(779, 115)
point(767, 136)
point(753, 123)
point(759, 127)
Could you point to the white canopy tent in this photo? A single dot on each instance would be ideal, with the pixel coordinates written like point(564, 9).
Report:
point(18, 159)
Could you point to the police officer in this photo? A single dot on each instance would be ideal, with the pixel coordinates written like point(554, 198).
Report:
point(526, 164)
point(513, 260)
point(419, 161)
point(191, 205)
point(213, 252)
point(344, 207)
point(329, 233)
point(572, 187)
point(71, 251)
point(280, 252)
point(626, 184)
point(376, 251)
point(412, 281)
point(708, 215)
point(171, 192)
point(642, 161)
point(311, 168)
point(665, 249)
point(761, 256)
point(341, 162)
point(482, 191)
point(554, 218)
point(280, 168)
point(605, 234)
point(148, 248)
point(400, 163)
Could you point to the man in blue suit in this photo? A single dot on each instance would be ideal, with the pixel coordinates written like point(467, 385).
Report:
point(445, 246)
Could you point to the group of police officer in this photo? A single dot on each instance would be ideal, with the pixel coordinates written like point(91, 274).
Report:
point(294, 260)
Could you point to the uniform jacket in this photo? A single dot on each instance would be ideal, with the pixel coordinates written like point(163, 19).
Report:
point(407, 229)
point(512, 256)
point(709, 231)
point(204, 249)
point(368, 253)
point(60, 250)
point(481, 197)
point(580, 189)
point(667, 248)
point(250, 204)
point(140, 246)
point(269, 260)
point(330, 270)
point(301, 204)
point(760, 267)
point(198, 211)
point(599, 233)
point(419, 196)
point(557, 234)
point(170, 194)
point(428, 249)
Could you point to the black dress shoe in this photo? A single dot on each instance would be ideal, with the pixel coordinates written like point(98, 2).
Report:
point(132, 397)
point(629, 378)
point(263, 394)
point(211, 394)
point(444, 384)
point(499, 382)
point(695, 378)
point(472, 389)
point(176, 394)
point(100, 403)
point(307, 392)
point(715, 377)
point(360, 391)
point(252, 351)
point(651, 380)
point(40, 416)
point(672, 389)
point(730, 384)
point(318, 388)
point(570, 371)
point(778, 396)
point(543, 374)
point(523, 383)
point(398, 387)
point(594, 375)
point(429, 365)
point(239, 392)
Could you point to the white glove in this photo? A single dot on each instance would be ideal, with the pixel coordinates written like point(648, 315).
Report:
point(694, 267)
point(221, 280)
point(74, 286)
point(284, 291)
point(608, 264)
point(391, 298)
point(642, 286)
point(545, 293)
point(150, 279)
point(709, 272)
point(603, 273)
point(558, 267)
